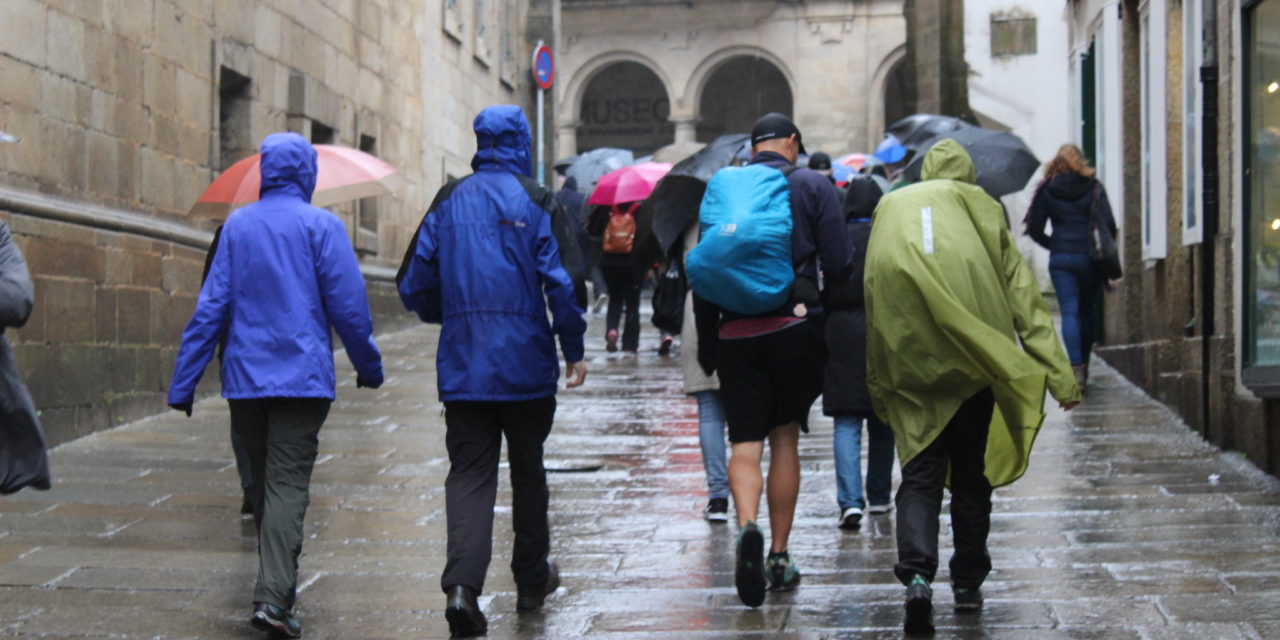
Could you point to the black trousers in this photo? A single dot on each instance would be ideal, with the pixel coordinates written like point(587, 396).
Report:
point(961, 447)
point(474, 432)
point(624, 291)
point(280, 438)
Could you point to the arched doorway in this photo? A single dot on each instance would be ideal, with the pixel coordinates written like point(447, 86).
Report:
point(741, 90)
point(625, 105)
point(895, 96)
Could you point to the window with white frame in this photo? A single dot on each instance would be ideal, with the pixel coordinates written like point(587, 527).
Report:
point(1155, 214)
point(1192, 137)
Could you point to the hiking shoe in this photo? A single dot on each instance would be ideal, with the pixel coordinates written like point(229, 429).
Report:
point(717, 510)
point(664, 349)
point(919, 607)
point(611, 340)
point(851, 518)
point(463, 613)
point(531, 598)
point(783, 574)
point(748, 573)
point(276, 621)
point(967, 600)
point(879, 509)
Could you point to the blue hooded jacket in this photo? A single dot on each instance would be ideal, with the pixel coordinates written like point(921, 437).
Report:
point(282, 272)
point(486, 265)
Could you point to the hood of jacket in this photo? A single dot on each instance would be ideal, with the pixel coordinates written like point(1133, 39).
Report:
point(503, 141)
point(947, 160)
point(288, 166)
point(862, 197)
point(570, 184)
point(1070, 187)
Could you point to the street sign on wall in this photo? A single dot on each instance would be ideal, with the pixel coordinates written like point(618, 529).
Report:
point(544, 67)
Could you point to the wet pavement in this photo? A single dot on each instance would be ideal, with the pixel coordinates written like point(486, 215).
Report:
point(1126, 526)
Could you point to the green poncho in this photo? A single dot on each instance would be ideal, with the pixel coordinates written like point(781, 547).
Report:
point(948, 299)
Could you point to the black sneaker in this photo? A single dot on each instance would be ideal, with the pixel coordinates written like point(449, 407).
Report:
point(783, 574)
point(967, 600)
point(748, 573)
point(276, 621)
point(246, 507)
point(717, 510)
point(919, 607)
point(463, 613)
point(531, 598)
point(851, 519)
point(665, 347)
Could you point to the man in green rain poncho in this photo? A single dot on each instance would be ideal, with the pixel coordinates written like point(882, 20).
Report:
point(960, 351)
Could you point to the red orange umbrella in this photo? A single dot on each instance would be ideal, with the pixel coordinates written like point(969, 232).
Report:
point(854, 160)
point(344, 174)
point(628, 184)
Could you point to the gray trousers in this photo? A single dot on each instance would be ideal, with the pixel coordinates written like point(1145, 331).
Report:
point(280, 437)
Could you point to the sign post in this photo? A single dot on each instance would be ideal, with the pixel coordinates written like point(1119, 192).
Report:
point(544, 73)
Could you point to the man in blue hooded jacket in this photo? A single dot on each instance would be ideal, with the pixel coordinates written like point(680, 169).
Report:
point(282, 273)
point(485, 265)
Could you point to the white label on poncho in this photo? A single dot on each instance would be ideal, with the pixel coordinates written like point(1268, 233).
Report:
point(926, 223)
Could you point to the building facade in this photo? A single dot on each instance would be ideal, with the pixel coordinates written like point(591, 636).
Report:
point(128, 109)
point(643, 74)
point(1178, 103)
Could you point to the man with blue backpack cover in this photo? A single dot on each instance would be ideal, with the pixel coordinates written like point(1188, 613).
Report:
point(768, 231)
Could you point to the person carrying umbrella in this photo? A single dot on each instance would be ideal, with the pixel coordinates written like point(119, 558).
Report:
point(284, 272)
point(486, 266)
point(960, 350)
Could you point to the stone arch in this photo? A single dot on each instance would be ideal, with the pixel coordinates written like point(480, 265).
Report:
point(766, 67)
point(880, 83)
point(643, 101)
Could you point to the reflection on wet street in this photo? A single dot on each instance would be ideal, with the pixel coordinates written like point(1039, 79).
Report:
point(1126, 526)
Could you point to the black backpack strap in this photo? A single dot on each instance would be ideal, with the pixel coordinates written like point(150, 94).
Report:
point(441, 195)
point(566, 236)
point(790, 170)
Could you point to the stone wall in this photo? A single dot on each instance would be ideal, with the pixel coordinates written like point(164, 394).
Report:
point(128, 109)
point(1153, 326)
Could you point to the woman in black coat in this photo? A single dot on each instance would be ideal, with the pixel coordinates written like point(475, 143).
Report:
point(845, 396)
point(1069, 198)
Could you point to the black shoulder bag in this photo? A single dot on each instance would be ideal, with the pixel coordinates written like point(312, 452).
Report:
point(1102, 244)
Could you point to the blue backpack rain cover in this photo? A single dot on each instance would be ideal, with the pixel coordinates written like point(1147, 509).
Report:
point(743, 261)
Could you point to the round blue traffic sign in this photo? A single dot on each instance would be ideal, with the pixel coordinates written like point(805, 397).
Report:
point(544, 67)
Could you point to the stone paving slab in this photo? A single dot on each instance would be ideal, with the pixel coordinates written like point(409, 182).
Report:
point(1126, 526)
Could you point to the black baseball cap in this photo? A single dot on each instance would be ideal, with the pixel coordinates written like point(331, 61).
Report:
point(775, 125)
point(820, 161)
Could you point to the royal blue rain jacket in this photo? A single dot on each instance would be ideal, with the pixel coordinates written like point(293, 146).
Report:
point(486, 265)
point(282, 272)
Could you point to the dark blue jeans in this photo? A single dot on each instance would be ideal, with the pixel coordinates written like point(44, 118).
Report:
point(1076, 283)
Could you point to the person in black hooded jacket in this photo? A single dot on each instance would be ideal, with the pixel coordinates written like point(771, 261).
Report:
point(1068, 197)
point(845, 396)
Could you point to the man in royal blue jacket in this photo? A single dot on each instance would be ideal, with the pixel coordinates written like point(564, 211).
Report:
point(485, 265)
point(282, 273)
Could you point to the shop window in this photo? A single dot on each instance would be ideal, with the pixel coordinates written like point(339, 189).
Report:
point(367, 208)
point(321, 133)
point(1262, 196)
point(1192, 138)
point(1155, 214)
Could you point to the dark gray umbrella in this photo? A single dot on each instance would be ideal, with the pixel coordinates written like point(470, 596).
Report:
point(673, 205)
point(1003, 161)
point(589, 166)
point(917, 131)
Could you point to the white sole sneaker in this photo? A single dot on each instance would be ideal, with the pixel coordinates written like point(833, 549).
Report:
point(851, 518)
point(879, 509)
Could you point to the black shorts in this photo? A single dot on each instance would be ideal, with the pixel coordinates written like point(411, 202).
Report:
point(770, 380)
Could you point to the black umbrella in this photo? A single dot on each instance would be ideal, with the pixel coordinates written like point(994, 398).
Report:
point(917, 131)
point(673, 205)
point(1003, 161)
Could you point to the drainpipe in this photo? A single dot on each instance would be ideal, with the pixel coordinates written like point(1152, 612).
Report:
point(1210, 200)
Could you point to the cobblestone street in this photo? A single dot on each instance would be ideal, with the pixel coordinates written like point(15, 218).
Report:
point(1126, 526)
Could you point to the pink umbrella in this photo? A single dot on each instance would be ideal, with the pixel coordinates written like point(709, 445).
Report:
point(344, 174)
point(854, 160)
point(628, 184)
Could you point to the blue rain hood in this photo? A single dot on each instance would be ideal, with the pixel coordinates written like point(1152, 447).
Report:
point(288, 165)
point(503, 141)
